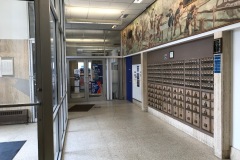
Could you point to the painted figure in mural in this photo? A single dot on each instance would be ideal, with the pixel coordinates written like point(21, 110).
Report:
point(152, 19)
point(159, 24)
point(138, 34)
point(178, 15)
point(194, 21)
point(170, 21)
point(189, 20)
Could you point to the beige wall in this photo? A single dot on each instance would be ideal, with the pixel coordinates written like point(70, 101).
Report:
point(15, 89)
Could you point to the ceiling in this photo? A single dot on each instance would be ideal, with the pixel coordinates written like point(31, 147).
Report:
point(89, 24)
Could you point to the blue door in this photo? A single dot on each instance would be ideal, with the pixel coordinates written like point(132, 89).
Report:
point(129, 78)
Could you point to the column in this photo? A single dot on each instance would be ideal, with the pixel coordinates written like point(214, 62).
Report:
point(144, 82)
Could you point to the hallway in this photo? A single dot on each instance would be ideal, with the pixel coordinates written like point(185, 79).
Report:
point(120, 130)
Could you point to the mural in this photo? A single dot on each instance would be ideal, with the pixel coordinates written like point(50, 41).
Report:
point(168, 20)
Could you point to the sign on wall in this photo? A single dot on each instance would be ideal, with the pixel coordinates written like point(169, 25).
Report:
point(7, 67)
point(136, 83)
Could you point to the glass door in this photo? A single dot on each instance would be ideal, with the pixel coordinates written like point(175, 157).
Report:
point(86, 80)
point(95, 79)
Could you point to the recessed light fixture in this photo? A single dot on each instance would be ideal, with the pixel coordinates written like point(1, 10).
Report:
point(137, 1)
point(124, 16)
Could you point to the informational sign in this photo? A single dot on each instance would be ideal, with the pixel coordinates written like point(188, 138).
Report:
point(7, 66)
point(217, 63)
point(96, 87)
point(136, 83)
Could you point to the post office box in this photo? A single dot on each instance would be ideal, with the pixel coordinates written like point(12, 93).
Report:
point(161, 108)
point(181, 104)
point(164, 93)
point(164, 99)
point(180, 90)
point(196, 94)
point(175, 102)
point(212, 112)
point(206, 112)
point(212, 96)
point(212, 125)
point(169, 108)
point(180, 97)
point(188, 116)
point(181, 113)
point(169, 100)
point(205, 104)
point(195, 101)
point(189, 106)
point(175, 90)
point(196, 108)
point(175, 96)
point(165, 107)
point(188, 99)
point(169, 95)
point(196, 119)
point(188, 92)
point(206, 95)
point(175, 111)
point(206, 123)
point(169, 89)
point(165, 88)
point(212, 104)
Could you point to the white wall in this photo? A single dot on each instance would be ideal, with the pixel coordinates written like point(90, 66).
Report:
point(137, 91)
point(14, 19)
point(236, 90)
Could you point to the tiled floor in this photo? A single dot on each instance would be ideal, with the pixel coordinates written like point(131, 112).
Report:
point(121, 131)
point(22, 132)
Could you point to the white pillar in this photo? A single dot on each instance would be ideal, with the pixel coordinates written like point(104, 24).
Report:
point(222, 98)
point(144, 82)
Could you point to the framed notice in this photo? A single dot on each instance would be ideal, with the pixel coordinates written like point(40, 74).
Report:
point(7, 66)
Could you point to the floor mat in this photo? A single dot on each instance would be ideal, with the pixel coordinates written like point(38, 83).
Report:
point(8, 150)
point(81, 108)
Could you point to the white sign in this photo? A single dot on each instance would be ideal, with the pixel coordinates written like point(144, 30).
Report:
point(7, 67)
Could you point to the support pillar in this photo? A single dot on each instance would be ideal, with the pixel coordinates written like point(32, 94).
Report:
point(144, 82)
point(222, 98)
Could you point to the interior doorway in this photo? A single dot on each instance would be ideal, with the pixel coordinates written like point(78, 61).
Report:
point(86, 80)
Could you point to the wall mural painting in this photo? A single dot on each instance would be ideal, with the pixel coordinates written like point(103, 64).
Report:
point(168, 20)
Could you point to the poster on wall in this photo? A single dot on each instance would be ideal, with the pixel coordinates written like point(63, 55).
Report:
point(96, 87)
point(7, 67)
point(136, 83)
point(168, 20)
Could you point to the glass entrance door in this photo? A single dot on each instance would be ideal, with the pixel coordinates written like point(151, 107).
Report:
point(86, 80)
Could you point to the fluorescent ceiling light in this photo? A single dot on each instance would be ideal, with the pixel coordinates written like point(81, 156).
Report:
point(94, 21)
point(101, 11)
point(85, 40)
point(137, 1)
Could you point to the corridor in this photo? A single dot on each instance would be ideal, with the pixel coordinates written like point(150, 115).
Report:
point(119, 130)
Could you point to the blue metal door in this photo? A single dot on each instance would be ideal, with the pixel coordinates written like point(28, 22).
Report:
point(129, 78)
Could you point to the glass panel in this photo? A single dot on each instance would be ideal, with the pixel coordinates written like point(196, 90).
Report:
point(95, 72)
point(53, 60)
point(77, 81)
point(56, 137)
point(17, 54)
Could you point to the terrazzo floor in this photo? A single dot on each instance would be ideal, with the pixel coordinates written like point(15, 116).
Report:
point(119, 130)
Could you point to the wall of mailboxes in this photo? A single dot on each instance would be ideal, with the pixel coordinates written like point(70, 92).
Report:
point(182, 87)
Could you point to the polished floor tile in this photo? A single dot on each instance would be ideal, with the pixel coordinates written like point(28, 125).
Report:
point(119, 130)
